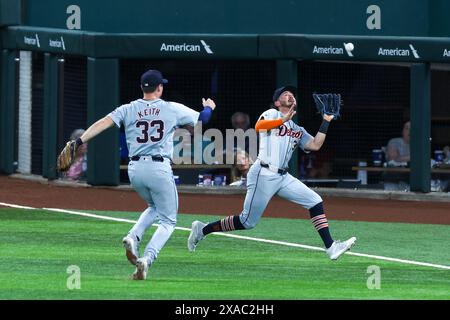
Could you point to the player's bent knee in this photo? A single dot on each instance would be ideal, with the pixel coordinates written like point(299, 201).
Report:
point(316, 199)
point(170, 228)
point(244, 222)
point(317, 208)
point(249, 225)
point(169, 225)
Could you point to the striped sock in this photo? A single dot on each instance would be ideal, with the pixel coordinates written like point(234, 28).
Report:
point(320, 222)
point(226, 224)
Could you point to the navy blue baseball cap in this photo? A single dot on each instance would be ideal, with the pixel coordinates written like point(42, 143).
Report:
point(280, 90)
point(152, 78)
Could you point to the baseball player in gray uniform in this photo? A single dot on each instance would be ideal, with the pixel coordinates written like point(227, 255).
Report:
point(149, 126)
point(268, 176)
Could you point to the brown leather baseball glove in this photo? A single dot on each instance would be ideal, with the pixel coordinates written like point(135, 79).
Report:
point(67, 156)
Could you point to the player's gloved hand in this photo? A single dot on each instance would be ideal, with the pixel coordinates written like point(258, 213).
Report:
point(328, 105)
point(67, 155)
point(288, 116)
point(209, 103)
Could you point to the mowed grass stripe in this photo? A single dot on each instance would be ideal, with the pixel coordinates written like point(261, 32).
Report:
point(284, 243)
point(37, 246)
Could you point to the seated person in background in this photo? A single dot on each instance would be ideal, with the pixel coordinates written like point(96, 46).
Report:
point(241, 167)
point(240, 120)
point(397, 151)
point(183, 146)
point(397, 154)
point(77, 170)
point(318, 166)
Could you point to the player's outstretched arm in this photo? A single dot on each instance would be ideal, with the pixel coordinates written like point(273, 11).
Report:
point(67, 155)
point(97, 128)
point(316, 143)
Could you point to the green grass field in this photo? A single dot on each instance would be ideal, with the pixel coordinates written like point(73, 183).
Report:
point(37, 247)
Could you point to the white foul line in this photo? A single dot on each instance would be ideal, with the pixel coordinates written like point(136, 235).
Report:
point(91, 215)
point(16, 206)
point(289, 244)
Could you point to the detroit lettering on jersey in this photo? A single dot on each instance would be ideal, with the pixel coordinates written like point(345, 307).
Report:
point(285, 131)
point(276, 146)
point(150, 125)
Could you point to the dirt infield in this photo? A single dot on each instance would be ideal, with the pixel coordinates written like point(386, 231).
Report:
point(36, 194)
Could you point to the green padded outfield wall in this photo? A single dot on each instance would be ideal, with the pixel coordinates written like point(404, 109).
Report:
point(7, 119)
point(11, 12)
point(103, 97)
point(52, 93)
point(349, 17)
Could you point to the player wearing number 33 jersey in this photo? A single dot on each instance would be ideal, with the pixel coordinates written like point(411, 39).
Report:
point(268, 176)
point(149, 126)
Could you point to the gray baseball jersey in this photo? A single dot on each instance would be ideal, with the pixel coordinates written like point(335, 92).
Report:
point(277, 145)
point(149, 125)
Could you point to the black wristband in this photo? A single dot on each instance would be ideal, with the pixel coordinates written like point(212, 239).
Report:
point(79, 142)
point(324, 126)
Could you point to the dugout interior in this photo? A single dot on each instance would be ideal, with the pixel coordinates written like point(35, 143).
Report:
point(71, 89)
point(374, 110)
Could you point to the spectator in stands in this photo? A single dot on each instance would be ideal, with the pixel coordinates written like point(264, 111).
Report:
point(242, 165)
point(77, 170)
point(397, 154)
point(240, 120)
point(397, 151)
point(183, 145)
point(317, 166)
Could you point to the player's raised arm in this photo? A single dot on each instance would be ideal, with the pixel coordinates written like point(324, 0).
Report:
point(269, 124)
point(208, 106)
point(187, 117)
point(329, 106)
point(316, 143)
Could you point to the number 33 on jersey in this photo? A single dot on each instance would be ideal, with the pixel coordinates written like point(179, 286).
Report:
point(149, 125)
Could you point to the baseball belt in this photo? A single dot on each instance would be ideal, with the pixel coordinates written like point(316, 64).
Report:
point(274, 169)
point(157, 158)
